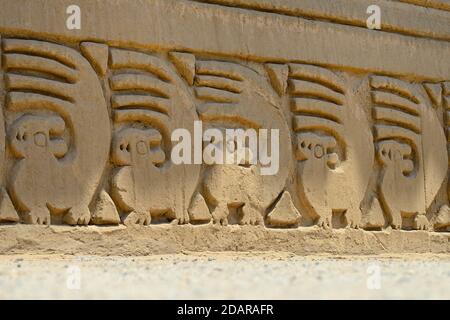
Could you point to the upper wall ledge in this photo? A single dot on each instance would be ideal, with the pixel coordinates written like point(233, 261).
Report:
point(414, 40)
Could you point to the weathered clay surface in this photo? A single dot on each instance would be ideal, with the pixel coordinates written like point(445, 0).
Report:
point(362, 120)
point(54, 173)
point(163, 239)
point(150, 101)
point(334, 144)
point(234, 94)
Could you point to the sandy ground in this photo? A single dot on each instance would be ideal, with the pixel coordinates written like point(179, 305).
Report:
point(225, 276)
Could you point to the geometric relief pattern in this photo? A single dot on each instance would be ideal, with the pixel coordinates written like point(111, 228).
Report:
point(60, 130)
point(149, 101)
point(411, 148)
point(90, 127)
point(334, 144)
point(234, 96)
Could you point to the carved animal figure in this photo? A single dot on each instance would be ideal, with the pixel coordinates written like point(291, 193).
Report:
point(7, 210)
point(234, 96)
point(411, 147)
point(334, 145)
point(61, 132)
point(150, 101)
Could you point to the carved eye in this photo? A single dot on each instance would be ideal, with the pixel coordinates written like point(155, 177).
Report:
point(141, 147)
point(319, 151)
point(40, 139)
point(303, 144)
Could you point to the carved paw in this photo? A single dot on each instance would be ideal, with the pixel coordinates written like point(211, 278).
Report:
point(353, 219)
point(421, 222)
point(181, 219)
point(77, 216)
point(141, 218)
point(220, 215)
point(354, 224)
point(396, 221)
point(37, 216)
point(251, 216)
point(324, 222)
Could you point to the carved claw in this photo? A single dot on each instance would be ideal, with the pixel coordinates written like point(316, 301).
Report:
point(353, 218)
point(421, 222)
point(140, 218)
point(396, 221)
point(354, 225)
point(183, 219)
point(220, 221)
point(324, 222)
point(37, 216)
point(78, 216)
point(220, 215)
point(250, 216)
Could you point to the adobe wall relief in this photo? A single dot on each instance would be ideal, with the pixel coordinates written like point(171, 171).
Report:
point(88, 120)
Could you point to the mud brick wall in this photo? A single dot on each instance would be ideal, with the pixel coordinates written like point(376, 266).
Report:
point(87, 113)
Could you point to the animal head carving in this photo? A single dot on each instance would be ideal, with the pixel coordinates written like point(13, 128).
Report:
point(32, 135)
point(311, 146)
point(394, 153)
point(132, 144)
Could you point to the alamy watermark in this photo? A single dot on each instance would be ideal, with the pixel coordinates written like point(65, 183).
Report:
point(229, 146)
point(374, 20)
point(73, 21)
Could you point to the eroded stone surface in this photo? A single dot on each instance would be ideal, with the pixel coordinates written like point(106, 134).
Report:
point(150, 101)
point(234, 96)
point(60, 134)
point(87, 117)
point(411, 148)
point(334, 144)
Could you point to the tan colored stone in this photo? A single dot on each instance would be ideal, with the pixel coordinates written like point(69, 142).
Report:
point(97, 54)
point(278, 74)
point(374, 218)
point(146, 182)
point(411, 147)
point(234, 96)
point(61, 156)
point(434, 91)
point(167, 239)
point(334, 145)
point(284, 213)
point(105, 211)
point(7, 211)
point(442, 220)
point(198, 211)
point(185, 64)
point(249, 34)
point(89, 110)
